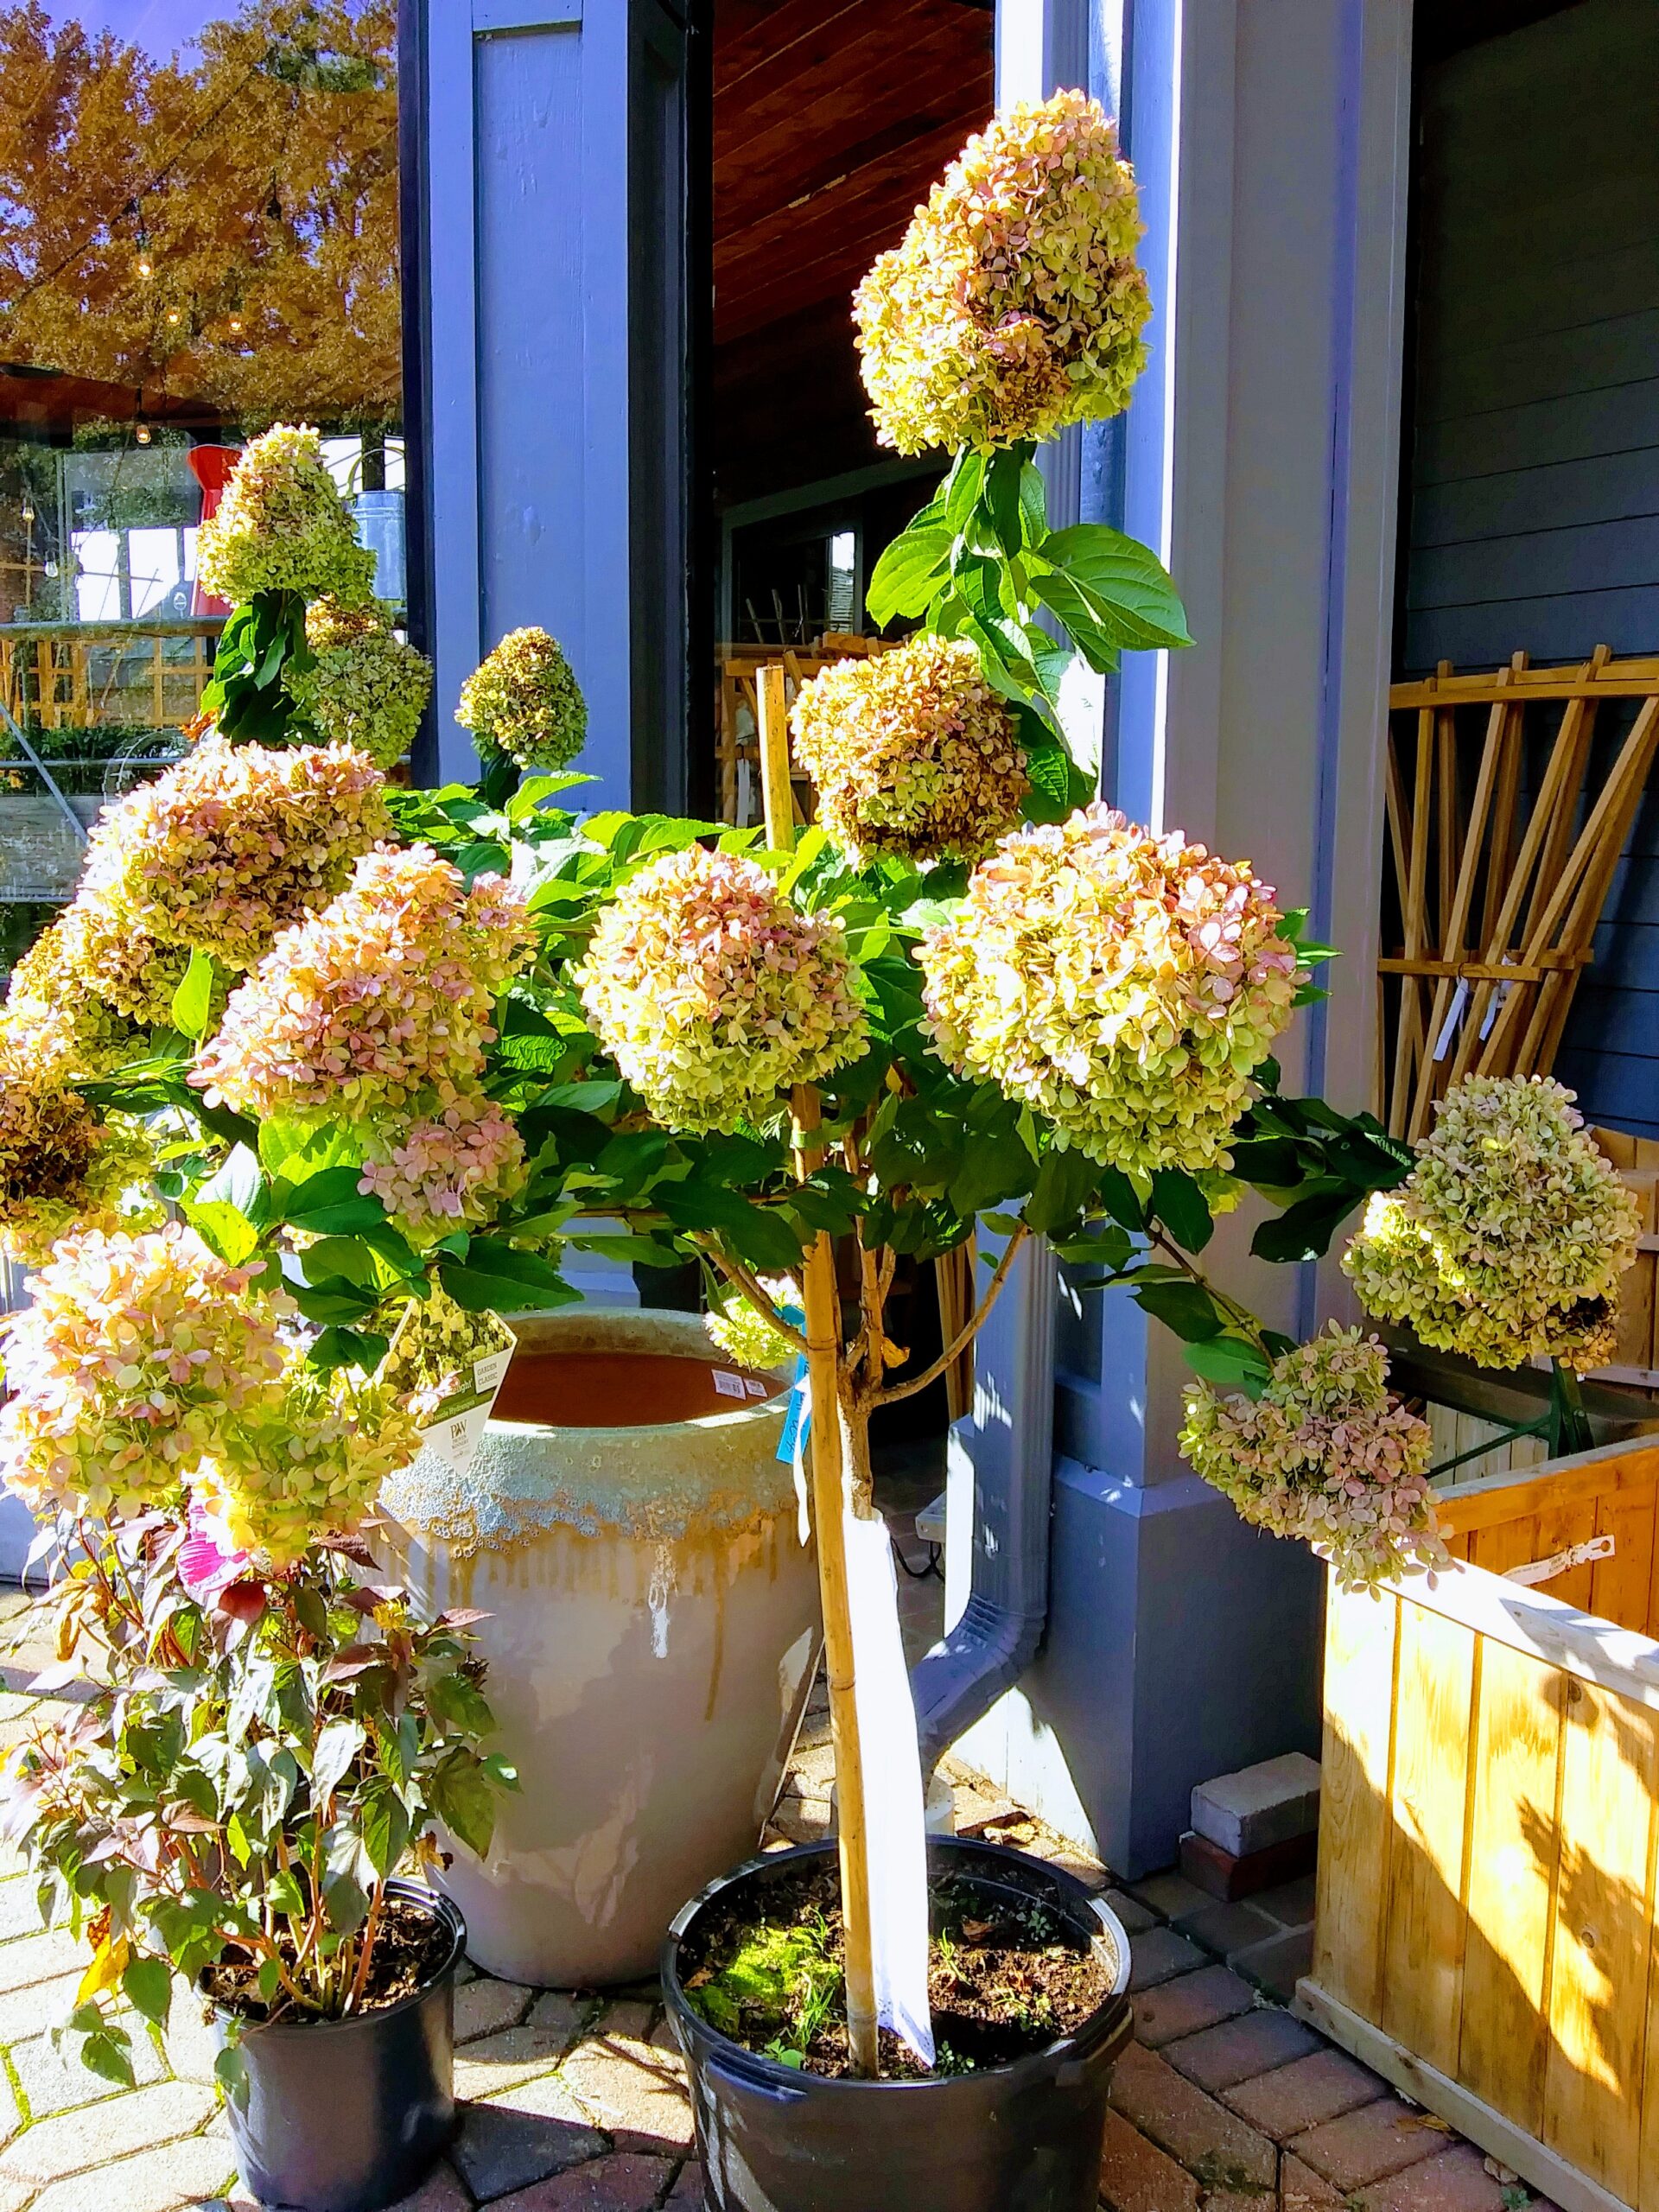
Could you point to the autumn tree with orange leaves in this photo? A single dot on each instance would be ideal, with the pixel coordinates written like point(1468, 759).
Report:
point(222, 227)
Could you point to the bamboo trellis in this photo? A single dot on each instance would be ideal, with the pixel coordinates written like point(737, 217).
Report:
point(1498, 878)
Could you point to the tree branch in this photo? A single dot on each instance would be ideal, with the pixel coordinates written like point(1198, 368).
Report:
point(738, 1274)
point(964, 1336)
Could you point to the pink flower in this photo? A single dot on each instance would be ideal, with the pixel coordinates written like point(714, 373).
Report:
point(209, 1560)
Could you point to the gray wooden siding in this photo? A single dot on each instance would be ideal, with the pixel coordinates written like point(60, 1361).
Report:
point(1534, 496)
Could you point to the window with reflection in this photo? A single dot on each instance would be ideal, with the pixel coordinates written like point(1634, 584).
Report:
point(197, 238)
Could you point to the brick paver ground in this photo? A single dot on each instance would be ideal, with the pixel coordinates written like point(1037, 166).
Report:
point(574, 2100)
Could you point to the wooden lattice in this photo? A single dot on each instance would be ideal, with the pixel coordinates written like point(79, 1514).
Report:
point(1505, 823)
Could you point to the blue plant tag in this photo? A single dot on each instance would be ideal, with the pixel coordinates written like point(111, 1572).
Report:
point(797, 1417)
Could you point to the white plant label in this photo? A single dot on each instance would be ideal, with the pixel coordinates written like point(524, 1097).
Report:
point(895, 1824)
point(728, 1384)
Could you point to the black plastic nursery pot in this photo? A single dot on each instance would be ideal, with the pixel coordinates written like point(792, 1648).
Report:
point(1023, 2138)
point(350, 2115)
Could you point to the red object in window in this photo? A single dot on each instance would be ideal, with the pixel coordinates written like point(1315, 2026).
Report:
point(212, 467)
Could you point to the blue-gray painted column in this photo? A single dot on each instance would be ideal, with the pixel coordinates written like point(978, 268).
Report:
point(552, 245)
point(1270, 146)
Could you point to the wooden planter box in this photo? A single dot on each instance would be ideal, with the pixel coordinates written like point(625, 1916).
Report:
point(1488, 1835)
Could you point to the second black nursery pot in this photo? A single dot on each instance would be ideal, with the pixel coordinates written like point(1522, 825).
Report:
point(350, 2115)
point(1025, 2137)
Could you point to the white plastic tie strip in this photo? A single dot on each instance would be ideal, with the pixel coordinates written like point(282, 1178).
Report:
point(1454, 1021)
point(1546, 1570)
point(896, 1826)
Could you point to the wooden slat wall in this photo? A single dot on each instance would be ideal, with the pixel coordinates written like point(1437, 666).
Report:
point(1486, 1885)
point(1533, 513)
point(1535, 469)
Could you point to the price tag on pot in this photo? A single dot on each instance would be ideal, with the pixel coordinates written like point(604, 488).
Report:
point(448, 1365)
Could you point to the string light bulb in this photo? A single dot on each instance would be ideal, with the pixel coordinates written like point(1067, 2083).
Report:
point(146, 267)
point(143, 433)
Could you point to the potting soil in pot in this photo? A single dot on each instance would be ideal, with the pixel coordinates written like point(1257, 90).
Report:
point(623, 1389)
point(410, 1947)
point(1005, 1978)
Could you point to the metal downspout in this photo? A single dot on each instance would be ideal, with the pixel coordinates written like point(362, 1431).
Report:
point(1006, 1444)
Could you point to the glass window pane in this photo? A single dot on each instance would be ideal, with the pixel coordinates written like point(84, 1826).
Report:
point(197, 238)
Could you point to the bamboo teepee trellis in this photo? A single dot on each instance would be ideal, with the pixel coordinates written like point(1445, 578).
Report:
point(1503, 839)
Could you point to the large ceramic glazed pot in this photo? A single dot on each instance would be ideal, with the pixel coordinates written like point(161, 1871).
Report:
point(632, 1536)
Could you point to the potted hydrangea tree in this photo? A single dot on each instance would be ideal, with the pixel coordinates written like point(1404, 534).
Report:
point(962, 994)
point(415, 1043)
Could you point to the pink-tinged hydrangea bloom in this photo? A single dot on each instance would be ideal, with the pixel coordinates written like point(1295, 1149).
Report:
point(136, 1353)
point(1327, 1454)
point(523, 700)
point(714, 995)
point(366, 1009)
point(1014, 304)
point(55, 1020)
point(307, 1461)
point(366, 687)
point(126, 968)
point(1511, 1235)
point(911, 752)
point(450, 1167)
point(281, 525)
point(233, 843)
point(1120, 984)
point(61, 1167)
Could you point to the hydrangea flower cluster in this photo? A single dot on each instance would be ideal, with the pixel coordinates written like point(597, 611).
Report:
point(911, 752)
point(450, 1167)
point(744, 1333)
point(367, 688)
point(1509, 1238)
point(54, 1020)
point(367, 1010)
point(1014, 304)
point(1123, 985)
point(61, 1167)
point(123, 1373)
point(281, 525)
point(313, 1460)
point(105, 953)
point(232, 843)
point(523, 700)
point(1325, 1453)
point(714, 995)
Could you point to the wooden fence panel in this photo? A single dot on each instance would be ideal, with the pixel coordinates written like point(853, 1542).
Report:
point(1489, 1838)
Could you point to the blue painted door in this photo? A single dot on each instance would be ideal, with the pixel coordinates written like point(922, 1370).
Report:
point(545, 251)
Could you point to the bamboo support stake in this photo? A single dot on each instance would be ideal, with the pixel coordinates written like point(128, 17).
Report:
point(821, 1299)
point(774, 759)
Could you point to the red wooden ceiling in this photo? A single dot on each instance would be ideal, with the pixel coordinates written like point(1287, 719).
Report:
point(831, 120)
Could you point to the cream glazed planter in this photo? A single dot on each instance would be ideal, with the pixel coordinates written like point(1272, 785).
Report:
point(653, 1620)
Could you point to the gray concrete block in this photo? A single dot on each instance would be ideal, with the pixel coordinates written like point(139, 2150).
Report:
point(1259, 1805)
